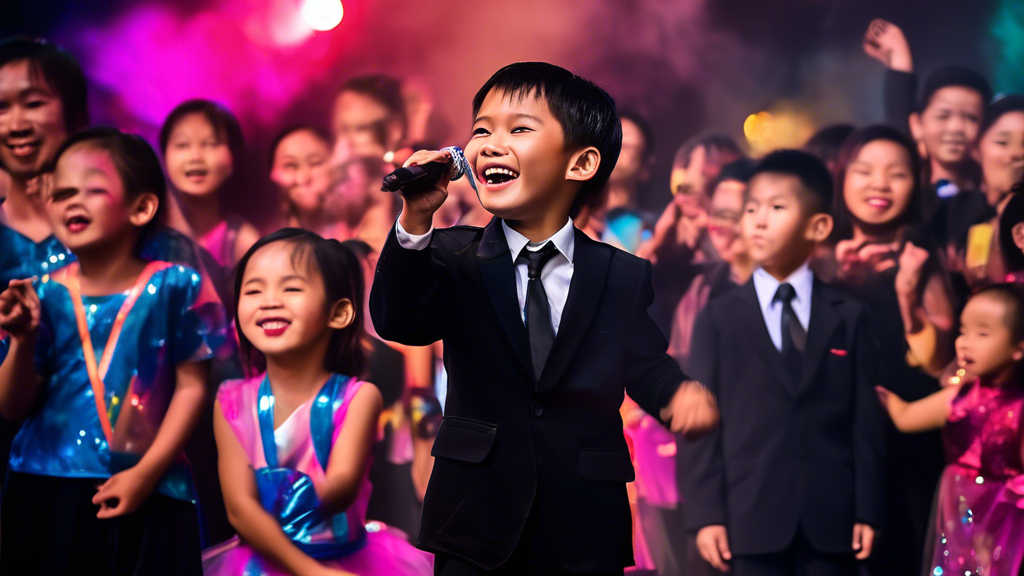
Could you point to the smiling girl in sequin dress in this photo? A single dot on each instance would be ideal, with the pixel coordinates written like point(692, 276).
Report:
point(294, 442)
point(978, 526)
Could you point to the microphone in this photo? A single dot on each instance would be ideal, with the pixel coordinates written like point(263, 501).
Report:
point(413, 180)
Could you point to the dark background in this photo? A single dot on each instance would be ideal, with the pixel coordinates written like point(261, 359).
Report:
point(689, 65)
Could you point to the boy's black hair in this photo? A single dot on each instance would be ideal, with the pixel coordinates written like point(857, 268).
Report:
point(1003, 104)
point(136, 162)
point(1013, 214)
point(812, 173)
point(737, 171)
point(60, 71)
point(385, 90)
point(586, 112)
point(225, 124)
point(645, 129)
point(826, 143)
point(288, 131)
point(843, 228)
point(342, 276)
point(1011, 295)
point(954, 76)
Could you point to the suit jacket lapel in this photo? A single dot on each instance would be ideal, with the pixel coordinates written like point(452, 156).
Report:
point(755, 332)
point(824, 322)
point(590, 271)
point(499, 275)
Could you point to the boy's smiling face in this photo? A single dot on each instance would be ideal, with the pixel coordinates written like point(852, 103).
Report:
point(519, 154)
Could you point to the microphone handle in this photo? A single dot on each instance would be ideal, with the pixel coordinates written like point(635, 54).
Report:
point(414, 180)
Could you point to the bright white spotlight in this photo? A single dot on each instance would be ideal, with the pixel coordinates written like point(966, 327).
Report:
point(322, 15)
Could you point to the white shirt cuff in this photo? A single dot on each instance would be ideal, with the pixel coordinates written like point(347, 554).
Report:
point(412, 241)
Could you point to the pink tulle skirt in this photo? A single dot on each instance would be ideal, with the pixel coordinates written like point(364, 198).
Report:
point(385, 553)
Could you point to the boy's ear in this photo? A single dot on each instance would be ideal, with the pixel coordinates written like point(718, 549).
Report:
point(144, 209)
point(1018, 354)
point(342, 314)
point(819, 227)
point(584, 164)
point(1017, 232)
point(394, 134)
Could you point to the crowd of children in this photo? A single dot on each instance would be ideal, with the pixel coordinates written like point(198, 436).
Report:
point(807, 363)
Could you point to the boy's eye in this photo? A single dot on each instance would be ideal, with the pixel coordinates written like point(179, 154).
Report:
point(34, 103)
point(59, 195)
point(520, 129)
point(291, 166)
point(480, 131)
point(251, 292)
point(778, 207)
point(293, 289)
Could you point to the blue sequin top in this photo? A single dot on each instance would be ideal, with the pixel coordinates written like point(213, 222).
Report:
point(173, 320)
point(20, 257)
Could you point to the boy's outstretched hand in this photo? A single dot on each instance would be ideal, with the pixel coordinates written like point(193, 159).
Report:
point(19, 309)
point(692, 412)
point(418, 210)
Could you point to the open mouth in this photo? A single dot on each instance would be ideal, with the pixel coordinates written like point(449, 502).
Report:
point(197, 174)
point(880, 203)
point(77, 224)
point(497, 176)
point(22, 149)
point(273, 326)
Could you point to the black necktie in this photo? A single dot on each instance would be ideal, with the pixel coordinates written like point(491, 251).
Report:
point(794, 337)
point(538, 312)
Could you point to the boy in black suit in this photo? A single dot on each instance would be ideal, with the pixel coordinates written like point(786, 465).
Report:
point(793, 476)
point(542, 329)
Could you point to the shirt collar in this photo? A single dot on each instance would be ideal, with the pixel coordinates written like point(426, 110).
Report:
point(802, 280)
point(564, 240)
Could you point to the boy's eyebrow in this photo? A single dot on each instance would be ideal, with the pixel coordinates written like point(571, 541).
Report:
point(517, 116)
point(294, 277)
point(251, 280)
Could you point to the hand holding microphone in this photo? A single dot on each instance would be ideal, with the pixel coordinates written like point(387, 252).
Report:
point(423, 183)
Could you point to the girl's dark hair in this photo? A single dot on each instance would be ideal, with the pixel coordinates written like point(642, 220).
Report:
point(224, 123)
point(848, 153)
point(342, 275)
point(292, 130)
point(1003, 104)
point(136, 162)
point(1011, 295)
point(59, 69)
point(827, 142)
point(1013, 214)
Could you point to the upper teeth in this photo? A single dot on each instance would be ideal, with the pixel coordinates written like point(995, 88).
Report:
point(494, 171)
point(274, 324)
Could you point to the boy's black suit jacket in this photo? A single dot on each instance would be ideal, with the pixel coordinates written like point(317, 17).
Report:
point(511, 445)
point(788, 454)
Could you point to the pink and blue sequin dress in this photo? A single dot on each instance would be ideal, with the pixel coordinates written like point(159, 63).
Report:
point(288, 463)
point(979, 516)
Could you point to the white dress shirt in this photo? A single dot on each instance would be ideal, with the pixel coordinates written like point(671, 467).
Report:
point(556, 275)
point(766, 286)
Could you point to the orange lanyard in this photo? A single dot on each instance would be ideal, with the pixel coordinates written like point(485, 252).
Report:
point(98, 372)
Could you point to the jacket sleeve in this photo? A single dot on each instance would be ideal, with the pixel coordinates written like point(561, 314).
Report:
point(407, 301)
point(652, 376)
point(900, 99)
point(868, 431)
point(701, 466)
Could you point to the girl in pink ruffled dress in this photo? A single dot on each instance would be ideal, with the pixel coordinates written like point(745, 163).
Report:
point(294, 442)
point(978, 525)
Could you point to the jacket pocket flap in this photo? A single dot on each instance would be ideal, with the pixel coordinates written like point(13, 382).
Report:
point(606, 466)
point(464, 439)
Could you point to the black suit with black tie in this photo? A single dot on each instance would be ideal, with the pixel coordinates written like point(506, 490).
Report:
point(798, 458)
point(513, 447)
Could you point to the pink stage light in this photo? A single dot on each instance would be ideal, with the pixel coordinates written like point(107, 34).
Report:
point(322, 15)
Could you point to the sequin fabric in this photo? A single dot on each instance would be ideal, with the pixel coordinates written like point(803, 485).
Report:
point(171, 322)
point(20, 257)
point(979, 518)
point(287, 475)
